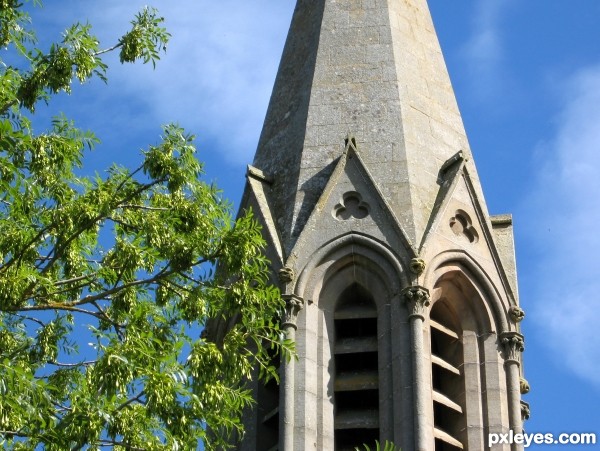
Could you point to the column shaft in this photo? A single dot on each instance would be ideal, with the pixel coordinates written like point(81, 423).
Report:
point(513, 347)
point(286, 403)
point(419, 386)
point(514, 399)
point(417, 301)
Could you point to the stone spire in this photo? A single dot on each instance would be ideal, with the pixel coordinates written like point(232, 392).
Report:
point(400, 288)
point(374, 71)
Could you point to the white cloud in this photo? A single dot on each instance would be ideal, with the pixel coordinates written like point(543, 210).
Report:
point(483, 52)
point(215, 78)
point(564, 214)
point(219, 69)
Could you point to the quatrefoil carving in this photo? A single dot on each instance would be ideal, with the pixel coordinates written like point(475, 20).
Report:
point(351, 206)
point(462, 225)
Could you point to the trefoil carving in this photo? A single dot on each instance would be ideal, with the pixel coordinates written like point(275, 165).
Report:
point(351, 206)
point(462, 225)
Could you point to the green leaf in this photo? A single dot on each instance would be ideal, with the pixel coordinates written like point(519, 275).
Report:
point(107, 280)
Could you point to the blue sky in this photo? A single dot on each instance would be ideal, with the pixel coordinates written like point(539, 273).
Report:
point(527, 79)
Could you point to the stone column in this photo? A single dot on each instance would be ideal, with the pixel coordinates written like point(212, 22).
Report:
point(293, 305)
point(513, 345)
point(417, 301)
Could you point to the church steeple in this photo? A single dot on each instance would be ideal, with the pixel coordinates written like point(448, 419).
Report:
point(374, 70)
point(401, 288)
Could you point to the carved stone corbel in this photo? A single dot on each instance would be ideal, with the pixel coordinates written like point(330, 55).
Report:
point(417, 266)
point(417, 300)
point(286, 277)
point(517, 314)
point(513, 345)
point(524, 386)
point(525, 411)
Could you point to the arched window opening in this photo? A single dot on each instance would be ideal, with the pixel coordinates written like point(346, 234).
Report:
point(447, 379)
point(356, 378)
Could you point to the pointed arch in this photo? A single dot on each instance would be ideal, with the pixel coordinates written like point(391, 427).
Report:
point(362, 247)
point(351, 287)
point(467, 316)
point(478, 288)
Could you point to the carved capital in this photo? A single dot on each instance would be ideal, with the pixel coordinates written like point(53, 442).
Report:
point(417, 300)
point(293, 305)
point(524, 386)
point(516, 314)
point(417, 266)
point(513, 344)
point(525, 411)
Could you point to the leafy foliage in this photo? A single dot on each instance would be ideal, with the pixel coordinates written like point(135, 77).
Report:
point(106, 282)
point(387, 446)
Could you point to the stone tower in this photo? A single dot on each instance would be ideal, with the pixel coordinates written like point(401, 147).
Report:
point(400, 287)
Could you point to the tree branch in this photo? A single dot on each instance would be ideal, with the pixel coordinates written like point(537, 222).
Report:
point(54, 306)
point(114, 443)
point(7, 106)
point(130, 401)
point(105, 294)
point(58, 251)
point(110, 49)
point(144, 207)
point(74, 279)
point(31, 242)
point(72, 365)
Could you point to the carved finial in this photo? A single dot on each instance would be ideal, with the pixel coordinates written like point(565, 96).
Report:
point(525, 411)
point(293, 305)
point(513, 345)
point(417, 266)
point(524, 386)
point(417, 300)
point(350, 141)
point(516, 313)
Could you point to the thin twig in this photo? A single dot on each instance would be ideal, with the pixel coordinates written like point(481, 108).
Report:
point(130, 401)
point(72, 365)
point(110, 49)
point(144, 207)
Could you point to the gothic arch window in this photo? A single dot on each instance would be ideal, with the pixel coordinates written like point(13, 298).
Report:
point(466, 367)
point(351, 297)
point(356, 378)
point(448, 379)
